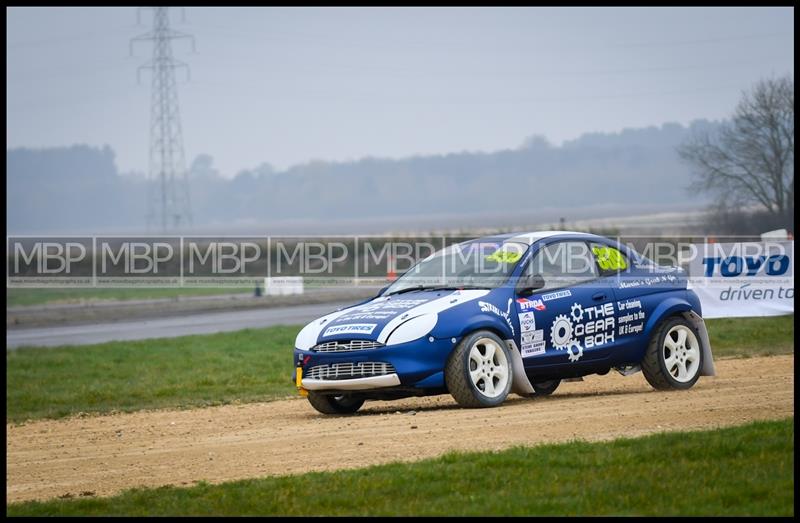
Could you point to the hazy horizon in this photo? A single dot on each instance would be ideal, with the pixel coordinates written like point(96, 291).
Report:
point(610, 135)
point(79, 188)
point(287, 86)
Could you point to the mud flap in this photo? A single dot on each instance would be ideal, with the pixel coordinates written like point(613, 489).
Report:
point(705, 344)
point(521, 384)
point(628, 370)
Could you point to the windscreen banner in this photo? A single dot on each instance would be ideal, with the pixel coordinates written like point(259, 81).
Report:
point(743, 279)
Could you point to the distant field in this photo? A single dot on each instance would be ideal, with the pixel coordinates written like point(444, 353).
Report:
point(18, 297)
point(743, 471)
point(248, 365)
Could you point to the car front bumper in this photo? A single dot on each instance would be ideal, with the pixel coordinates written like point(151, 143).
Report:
point(417, 364)
point(371, 382)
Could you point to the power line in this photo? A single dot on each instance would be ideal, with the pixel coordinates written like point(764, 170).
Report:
point(347, 40)
point(350, 69)
point(375, 97)
point(714, 40)
point(57, 40)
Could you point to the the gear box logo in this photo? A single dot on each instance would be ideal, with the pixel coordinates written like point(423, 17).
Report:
point(583, 328)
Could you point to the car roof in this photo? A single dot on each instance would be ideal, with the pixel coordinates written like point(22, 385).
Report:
point(529, 238)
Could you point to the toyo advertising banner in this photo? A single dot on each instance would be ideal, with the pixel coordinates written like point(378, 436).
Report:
point(744, 279)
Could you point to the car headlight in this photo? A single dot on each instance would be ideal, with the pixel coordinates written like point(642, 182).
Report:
point(307, 337)
point(413, 329)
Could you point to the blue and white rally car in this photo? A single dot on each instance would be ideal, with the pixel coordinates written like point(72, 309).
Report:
point(509, 313)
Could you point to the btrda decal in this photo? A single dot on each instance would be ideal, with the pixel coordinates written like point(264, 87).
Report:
point(588, 327)
point(526, 304)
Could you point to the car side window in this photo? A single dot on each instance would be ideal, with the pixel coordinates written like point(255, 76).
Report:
point(610, 260)
point(564, 264)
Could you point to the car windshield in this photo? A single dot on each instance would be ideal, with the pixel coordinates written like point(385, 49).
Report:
point(474, 264)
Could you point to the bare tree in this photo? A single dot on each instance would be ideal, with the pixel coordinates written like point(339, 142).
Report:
point(750, 160)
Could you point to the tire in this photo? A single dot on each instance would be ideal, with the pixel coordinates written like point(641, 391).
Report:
point(674, 356)
point(478, 372)
point(330, 404)
point(545, 388)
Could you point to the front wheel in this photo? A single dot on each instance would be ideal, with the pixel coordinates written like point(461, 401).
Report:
point(478, 372)
point(674, 358)
point(330, 404)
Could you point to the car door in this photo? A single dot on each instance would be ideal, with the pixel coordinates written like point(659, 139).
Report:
point(571, 320)
point(637, 288)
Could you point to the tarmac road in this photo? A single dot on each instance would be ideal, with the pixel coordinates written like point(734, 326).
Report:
point(168, 327)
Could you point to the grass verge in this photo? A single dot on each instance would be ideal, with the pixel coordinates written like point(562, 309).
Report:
point(189, 371)
point(746, 337)
point(745, 470)
point(247, 365)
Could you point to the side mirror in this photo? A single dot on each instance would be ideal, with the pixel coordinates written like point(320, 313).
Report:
point(530, 283)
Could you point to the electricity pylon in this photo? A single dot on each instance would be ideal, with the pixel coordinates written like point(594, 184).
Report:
point(168, 201)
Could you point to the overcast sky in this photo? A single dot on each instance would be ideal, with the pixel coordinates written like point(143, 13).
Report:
point(287, 86)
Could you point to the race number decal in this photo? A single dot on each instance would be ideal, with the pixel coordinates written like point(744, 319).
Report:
point(501, 256)
point(609, 258)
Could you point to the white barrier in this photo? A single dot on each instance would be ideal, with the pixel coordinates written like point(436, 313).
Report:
point(744, 279)
point(284, 285)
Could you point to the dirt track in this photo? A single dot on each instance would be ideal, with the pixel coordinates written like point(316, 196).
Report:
point(106, 454)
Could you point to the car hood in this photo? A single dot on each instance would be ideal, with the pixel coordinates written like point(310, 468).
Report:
point(376, 319)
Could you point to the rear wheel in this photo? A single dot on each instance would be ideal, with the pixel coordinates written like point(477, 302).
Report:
point(478, 373)
point(674, 358)
point(330, 404)
point(545, 388)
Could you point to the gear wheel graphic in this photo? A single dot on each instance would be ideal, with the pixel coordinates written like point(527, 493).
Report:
point(579, 316)
point(573, 357)
point(561, 323)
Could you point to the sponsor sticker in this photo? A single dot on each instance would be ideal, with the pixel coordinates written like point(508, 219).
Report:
point(631, 317)
point(526, 304)
point(555, 295)
point(532, 349)
point(584, 327)
point(526, 321)
point(532, 336)
point(389, 304)
point(491, 307)
point(352, 328)
point(382, 309)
